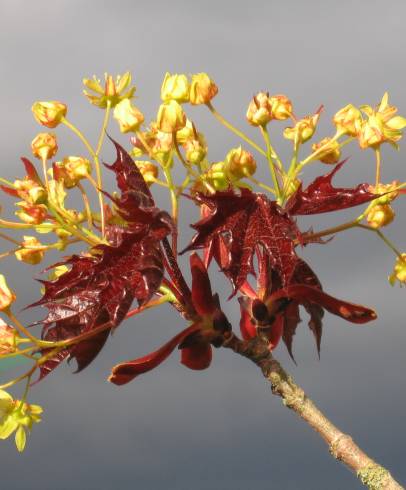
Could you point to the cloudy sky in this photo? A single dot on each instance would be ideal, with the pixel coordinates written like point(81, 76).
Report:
point(220, 428)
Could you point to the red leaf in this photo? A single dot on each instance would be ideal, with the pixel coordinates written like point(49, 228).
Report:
point(202, 296)
point(349, 311)
point(321, 197)
point(247, 327)
point(31, 171)
point(197, 356)
point(126, 371)
point(99, 289)
point(247, 220)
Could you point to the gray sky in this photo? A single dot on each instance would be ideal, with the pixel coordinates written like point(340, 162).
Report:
point(220, 428)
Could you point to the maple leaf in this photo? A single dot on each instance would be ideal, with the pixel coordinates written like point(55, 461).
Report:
point(281, 315)
point(321, 197)
point(100, 287)
point(246, 221)
point(209, 323)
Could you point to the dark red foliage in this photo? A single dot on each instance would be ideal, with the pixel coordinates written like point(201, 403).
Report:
point(321, 197)
point(209, 323)
point(245, 221)
point(281, 317)
point(100, 288)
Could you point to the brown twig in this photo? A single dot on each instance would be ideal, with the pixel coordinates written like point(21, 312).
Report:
point(341, 446)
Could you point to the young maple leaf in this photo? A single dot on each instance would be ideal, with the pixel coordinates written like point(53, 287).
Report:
point(321, 197)
point(209, 323)
point(247, 220)
point(100, 287)
point(275, 309)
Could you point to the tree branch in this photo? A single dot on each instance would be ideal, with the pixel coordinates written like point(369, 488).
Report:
point(341, 446)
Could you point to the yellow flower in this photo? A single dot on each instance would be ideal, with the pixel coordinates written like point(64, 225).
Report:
point(202, 89)
point(129, 117)
point(33, 214)
point(217, 177)
point(112, 92)
point(18, 417)
point(30, 191)
point(49, 114)
point(44, 146)
point(148, 170)
point(171, 117)
point(388, 192)
point(381, 126)
point(239, 163)
point(380, 215)
point(399, 271)
point(330, 154)
point(304, 128)
point(8, 339)
point(175, 87)
point(259, 111)
point(160, 144)
point(195, 149)
point(348, 120)
point(281, 107)
point(71, 170)
point(31, 251)
point(6, 295)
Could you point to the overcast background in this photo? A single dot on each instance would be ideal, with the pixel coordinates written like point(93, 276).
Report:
point(221, 428)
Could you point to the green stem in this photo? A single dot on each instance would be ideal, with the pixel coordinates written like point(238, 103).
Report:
point(236, 131)
point(383, 238)
point(271, 161)
point(378, 165)
point(79, 134)
point(21, 327)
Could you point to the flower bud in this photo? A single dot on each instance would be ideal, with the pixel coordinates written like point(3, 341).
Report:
point(129, 117)
point(44, 146)
point(399, 271)
point(195, 151)
point(380, 215)
point(387, 192)
point(259, 111)
point(6, 295)
point(170, 117)
point(71, 170)
point(217, 177)
point(49, 114)
point(281, 107)
point(186, 133)
point(8, 339)
point(148, 170)
point(202, 89)
point(239, 163)
point(32, 251)
point(30, 191)
point(304, 129)
point(33, 214)
point(330, 153)
point(348, 120)
point(175, 87)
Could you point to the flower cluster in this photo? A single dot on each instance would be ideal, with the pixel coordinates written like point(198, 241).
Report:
point(129, 246)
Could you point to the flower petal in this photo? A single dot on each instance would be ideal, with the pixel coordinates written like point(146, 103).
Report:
point(20, 438)
point(126, 371)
